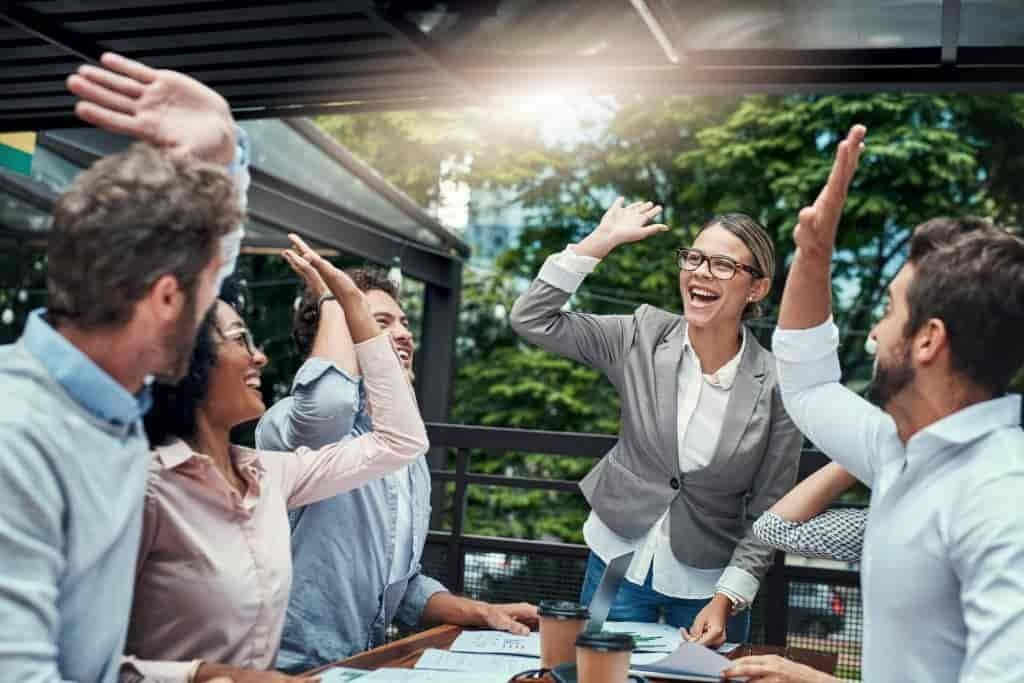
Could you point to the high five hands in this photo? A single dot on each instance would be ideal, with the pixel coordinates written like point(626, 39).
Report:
point(621, 225)
point(815, 232)
point(165, 108)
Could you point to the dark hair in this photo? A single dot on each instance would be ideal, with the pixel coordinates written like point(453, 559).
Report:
point(970, 275)
point(127, 221)
point(176, 406)
point(757, 240)
point(307, 315)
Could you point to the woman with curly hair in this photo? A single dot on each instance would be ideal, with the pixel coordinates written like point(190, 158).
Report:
point(214, 570)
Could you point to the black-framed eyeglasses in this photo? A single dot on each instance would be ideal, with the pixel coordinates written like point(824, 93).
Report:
point(721, 267)
point(243, 338)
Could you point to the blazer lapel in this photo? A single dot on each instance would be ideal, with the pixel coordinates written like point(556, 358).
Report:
point(667, 356)
point(746, 391)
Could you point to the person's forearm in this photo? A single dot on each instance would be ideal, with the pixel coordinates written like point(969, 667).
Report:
point(596, 245)
point(807, 298)
point(446, 608)
point(361, 324)
point(814, 493)
point(333, 341)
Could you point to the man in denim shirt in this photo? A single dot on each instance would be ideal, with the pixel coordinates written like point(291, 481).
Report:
point(357, 556)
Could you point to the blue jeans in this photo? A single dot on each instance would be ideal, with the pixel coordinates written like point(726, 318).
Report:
point(643, 603)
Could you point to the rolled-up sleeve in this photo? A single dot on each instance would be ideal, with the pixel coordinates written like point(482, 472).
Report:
point(843, 425)
point(419, 591)
point(325, 402)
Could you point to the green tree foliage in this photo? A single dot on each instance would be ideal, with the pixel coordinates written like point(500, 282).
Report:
point(927, 155)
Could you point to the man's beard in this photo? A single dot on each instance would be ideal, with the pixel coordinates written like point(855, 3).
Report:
point(179, 346)
point(889, 381)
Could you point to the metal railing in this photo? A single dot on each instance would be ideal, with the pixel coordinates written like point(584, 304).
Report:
point(797, 605)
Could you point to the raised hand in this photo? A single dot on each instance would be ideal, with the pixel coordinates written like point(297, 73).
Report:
point(816, 230)
point(360, 322)
point(302, 268)
point(621, 225)
point(165, 108)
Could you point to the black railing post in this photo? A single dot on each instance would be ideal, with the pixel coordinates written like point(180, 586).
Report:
point(456, 551)
point(776, 603)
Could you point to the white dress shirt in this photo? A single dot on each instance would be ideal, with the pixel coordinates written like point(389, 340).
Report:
point(702, 400)
point(942, 571)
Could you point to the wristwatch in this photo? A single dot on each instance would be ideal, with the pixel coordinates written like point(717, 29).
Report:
point(324, 297)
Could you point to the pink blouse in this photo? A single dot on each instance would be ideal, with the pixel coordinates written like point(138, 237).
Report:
point(214, 569)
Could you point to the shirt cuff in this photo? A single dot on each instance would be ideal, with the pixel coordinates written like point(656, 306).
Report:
point(156, 671)
point(566, 270)
point(739, 585)
point(807, 358)
point(417, 594)
point(314, 368)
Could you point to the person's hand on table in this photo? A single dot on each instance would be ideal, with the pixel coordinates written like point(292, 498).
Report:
point(517, 618)
point(709, 626)
point(775, 669)
point(165, 108)
point(220, 673)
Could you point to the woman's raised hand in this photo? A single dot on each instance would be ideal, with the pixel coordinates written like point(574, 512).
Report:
point(620, 225)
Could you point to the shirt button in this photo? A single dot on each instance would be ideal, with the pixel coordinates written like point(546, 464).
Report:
point(674, 483)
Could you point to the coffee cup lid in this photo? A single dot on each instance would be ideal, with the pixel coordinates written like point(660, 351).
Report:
point(562, 609)
point(606, 642)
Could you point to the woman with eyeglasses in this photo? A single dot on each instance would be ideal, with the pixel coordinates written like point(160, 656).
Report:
point(214, 569)
point(705, 445)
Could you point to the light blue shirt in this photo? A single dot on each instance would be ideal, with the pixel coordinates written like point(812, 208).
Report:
point(73, 466)
point(942, 571)
point(343, 549)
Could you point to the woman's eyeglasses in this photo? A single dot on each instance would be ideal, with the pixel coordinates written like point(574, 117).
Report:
point(721, 267)
point(243, 338)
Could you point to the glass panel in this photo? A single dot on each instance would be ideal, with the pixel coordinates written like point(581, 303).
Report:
point(537, 28)
point(807, 24)
point(52, 170)
point(991, 23)
point(615, 30)
point(16, 214)
point(284, 153)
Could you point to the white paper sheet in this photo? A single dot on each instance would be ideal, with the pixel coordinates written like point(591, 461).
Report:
point(692, 661)
point(497, 643)
point(430, 676)
point(443, 660)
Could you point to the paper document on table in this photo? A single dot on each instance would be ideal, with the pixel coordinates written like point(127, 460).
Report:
point(443, 660)
point(648, 637)
point(497, 643)
point(430, 676)
point(690, 662)
point(342, 675)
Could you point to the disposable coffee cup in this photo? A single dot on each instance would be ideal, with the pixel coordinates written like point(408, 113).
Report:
point(560, 623)
point(603, 657)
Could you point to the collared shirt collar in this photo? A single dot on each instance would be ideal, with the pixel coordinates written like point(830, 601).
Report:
point(726, 375)
point(85, 382)
point(965, 426)
point(177, 453)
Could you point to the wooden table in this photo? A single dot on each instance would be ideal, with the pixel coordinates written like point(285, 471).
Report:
point(404, 653)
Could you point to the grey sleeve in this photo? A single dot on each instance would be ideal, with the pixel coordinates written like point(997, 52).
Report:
point(599, 341)
point(323, 408)
point(31, 560)
point(836, 534)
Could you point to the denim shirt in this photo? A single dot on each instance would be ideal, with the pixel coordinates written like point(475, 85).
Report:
point(343, 548)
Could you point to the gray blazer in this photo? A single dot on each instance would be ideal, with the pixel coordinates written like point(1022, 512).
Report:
point(712, 509)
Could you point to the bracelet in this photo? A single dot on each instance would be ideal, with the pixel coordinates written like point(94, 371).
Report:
point(324, 297)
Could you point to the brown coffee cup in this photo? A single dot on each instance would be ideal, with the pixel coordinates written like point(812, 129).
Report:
point(560, 623)
point(603, 657)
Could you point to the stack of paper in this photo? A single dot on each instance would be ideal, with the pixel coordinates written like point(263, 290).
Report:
point(689, 662)
point(507, 665)
point(497, 643)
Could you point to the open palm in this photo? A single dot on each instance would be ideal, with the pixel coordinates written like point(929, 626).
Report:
point(165, 108)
